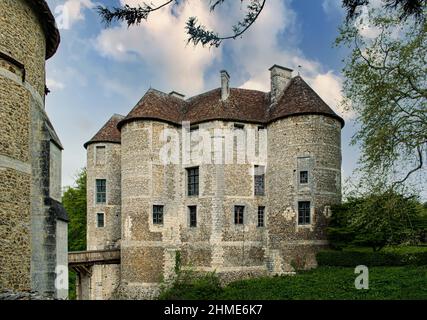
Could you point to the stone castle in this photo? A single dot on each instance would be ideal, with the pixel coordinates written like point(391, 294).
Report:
point(33, 223)
point(263, 215)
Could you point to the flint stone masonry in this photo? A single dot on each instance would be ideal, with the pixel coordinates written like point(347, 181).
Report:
point(305, 139)
point(33, 224)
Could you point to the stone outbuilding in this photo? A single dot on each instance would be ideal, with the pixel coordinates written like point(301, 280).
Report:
point(232, 180)
point(33, 223)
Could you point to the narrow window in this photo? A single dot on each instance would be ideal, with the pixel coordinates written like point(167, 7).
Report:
point(101, 191)
point(193, 181)
point(238, 214)
point(304, 212)
point(261, 216)
point(303, 177)
point(192, 210)
point(100, 220)
point(259, 180)
point(157, 214)
point(100, 155)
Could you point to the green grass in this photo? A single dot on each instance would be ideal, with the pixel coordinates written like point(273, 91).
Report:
point(334, 283)
point(323, 283)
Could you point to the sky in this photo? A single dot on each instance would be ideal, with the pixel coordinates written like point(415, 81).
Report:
point(100, 71)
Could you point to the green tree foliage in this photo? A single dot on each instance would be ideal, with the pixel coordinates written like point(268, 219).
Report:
point(386, 85)
point(377, 220)
point(74, 201)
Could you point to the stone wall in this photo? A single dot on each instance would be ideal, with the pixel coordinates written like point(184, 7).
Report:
point(24, 42)
point(105, 166)
point(148, 252)
point(30, 157)
point(311, 143)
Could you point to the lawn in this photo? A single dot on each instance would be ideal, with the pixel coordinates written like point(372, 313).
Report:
point(407, 282)
point(334, 283)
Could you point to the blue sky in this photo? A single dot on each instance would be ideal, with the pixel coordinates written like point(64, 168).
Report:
point(98, 72)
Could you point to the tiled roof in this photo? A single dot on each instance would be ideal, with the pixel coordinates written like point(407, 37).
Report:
point(241, 105)
point(109, 132)
point(300, 98)
point(49, 26)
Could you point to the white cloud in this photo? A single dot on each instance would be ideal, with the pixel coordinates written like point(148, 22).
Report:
point(54, 84)
point(332, 6)
point(161, 43)
point(175, 66)
point(70, 12)
point(329, 87)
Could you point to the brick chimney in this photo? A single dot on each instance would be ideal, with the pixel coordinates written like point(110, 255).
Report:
point(225, 85)
point(280, 78)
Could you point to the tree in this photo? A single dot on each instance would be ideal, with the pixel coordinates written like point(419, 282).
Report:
point(386, 85)
point(198, 34)
point(376, 220)
point(407, 8)
point(74, 201)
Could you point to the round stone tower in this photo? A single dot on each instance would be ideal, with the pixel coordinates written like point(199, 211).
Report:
point(103, 207)
point(303, 175)
point(30, 151)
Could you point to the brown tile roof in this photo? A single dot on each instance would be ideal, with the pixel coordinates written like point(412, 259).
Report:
point(109, 132)
point(48, 23)
point(299, 98)
point(242, 105)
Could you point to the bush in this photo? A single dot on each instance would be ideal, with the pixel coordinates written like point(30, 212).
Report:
point(392, 257)
point(191, 286)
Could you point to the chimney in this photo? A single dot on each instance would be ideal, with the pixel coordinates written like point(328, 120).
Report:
point(176, 95)
point(280, 78)
point(225, 85)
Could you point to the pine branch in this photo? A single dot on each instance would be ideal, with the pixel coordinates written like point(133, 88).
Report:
point(132, 15)
point(199, 34)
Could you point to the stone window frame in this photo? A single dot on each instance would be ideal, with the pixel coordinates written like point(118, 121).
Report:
point(95, 153)
point(103, 220)
point(96, 192)
point(189, 207)
point(187, 185)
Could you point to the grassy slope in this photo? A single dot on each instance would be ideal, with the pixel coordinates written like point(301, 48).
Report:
point(334, 283)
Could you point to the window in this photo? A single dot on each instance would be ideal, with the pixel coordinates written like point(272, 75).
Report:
point(157, 214)
point(238, 214)
point(261, 128)
point(304, 212)
point(100, 220)
point(101, 191)
point(239, 126)
point(259, 177)
point(194, 128)
point(192, 210)
point(303, 177)
point(193, 181)
point(261, 216)
point(100, 155)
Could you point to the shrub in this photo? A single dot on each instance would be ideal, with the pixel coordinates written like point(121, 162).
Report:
point(352, 258)
point(191, 286)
